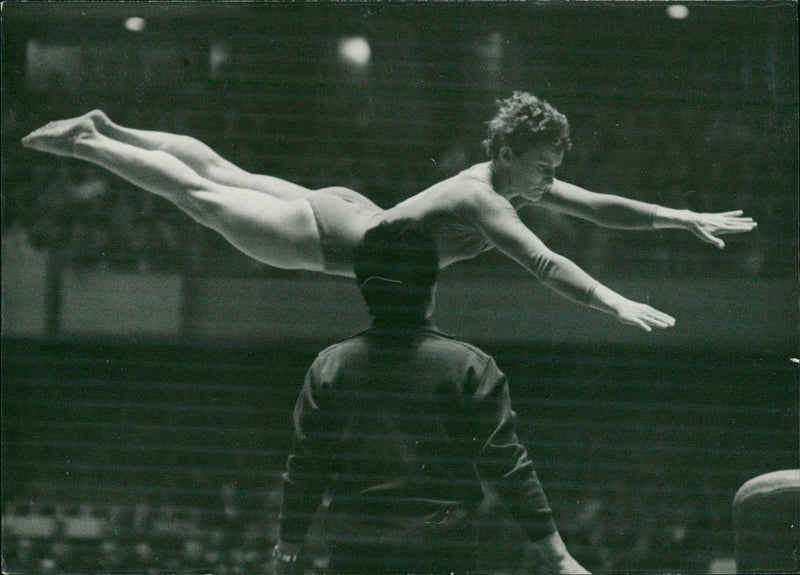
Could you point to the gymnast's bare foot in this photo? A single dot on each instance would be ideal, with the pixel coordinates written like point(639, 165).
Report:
point(99, 118)
point(60, 137)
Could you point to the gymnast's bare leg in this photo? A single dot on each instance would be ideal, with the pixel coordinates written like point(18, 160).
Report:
point(198, 156)
point(275, 228)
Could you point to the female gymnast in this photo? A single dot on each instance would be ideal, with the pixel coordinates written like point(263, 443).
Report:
point(289, 226)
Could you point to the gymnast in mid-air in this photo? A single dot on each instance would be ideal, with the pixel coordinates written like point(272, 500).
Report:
point(288, 226)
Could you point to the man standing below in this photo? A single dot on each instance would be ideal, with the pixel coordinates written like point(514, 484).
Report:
point(400, 424)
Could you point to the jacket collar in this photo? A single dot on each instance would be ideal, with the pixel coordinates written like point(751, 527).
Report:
point(400, 330)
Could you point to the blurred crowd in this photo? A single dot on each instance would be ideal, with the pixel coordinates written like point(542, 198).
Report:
point(606, 534)
point(140, 537)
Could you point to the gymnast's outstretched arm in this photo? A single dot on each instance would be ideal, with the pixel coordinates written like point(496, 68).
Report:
point(275, 231)
point(623, 213)
point(498, 220)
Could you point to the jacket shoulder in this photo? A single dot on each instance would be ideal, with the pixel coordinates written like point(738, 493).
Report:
point(351, 343)
point(430, 337)
point(458, 345)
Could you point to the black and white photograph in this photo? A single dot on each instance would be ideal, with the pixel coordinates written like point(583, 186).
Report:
point(358, 287)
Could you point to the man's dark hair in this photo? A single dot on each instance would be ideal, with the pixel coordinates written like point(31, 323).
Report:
point(396, 265)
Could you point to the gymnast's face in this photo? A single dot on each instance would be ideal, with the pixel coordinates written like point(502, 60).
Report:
point(531, 173)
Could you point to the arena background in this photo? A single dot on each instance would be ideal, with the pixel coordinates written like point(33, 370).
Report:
point(149, 370)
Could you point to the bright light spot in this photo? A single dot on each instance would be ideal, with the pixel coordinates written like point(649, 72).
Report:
point(492, 47)
point(355, 50)
point(490, 52)
point(219, 56)
point(677, 11)
point(135, 24)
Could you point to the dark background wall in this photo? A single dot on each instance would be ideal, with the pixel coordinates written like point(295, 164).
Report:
point(149, 368)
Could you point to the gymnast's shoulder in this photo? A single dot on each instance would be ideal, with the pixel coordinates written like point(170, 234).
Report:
point(472, 188)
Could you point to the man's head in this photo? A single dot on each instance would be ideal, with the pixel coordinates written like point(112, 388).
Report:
point(396, 265)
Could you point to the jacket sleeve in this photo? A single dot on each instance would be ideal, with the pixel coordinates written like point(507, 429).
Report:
point(304, 481)
point(503, 461)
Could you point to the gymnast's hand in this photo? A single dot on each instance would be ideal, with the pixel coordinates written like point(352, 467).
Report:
point(643, 316)
point(708, 226)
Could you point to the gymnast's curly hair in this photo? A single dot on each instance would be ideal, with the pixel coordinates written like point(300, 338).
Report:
point(522, 121)
point(396, 265)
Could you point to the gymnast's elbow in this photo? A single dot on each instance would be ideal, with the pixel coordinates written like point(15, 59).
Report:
point(542, 266)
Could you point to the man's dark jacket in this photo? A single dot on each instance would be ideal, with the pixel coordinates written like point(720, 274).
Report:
point(401, 425)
